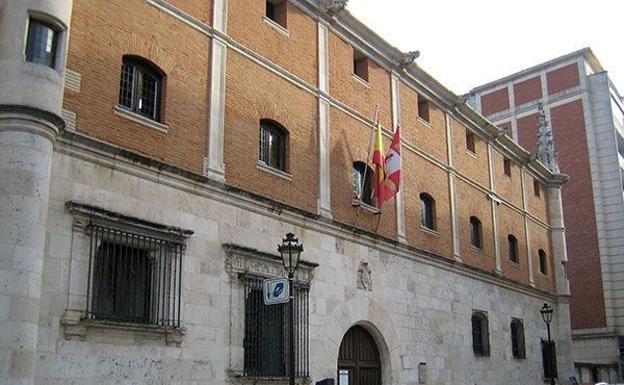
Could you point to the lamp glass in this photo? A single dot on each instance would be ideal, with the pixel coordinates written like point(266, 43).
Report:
point(290, 251)
point(547, 313)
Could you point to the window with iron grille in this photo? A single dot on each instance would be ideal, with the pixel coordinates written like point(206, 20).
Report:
point(517, 339)
point(135, 277)
point(141, 87)
point(266, 340)
point(549, 359)
point(273, 139)
point(480, 334)
point(427, 211)
point(41, 43)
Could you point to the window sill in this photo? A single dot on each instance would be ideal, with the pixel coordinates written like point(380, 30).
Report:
point(276, 26)
point(515, 265)
point(76, 326)
point(471, 153)
point(477, 250)
point(363, 82)
point(271, 170)
point(365, 206)
point(240, 377)
point(140, 119)
point(429, 231)
point(424, 122)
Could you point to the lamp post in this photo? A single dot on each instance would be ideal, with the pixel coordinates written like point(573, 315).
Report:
point(547, 314)
point(290, 250)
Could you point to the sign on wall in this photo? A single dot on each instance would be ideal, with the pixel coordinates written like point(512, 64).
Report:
point(275, 291)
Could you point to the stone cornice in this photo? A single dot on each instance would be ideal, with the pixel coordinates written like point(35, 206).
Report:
point(108, 156)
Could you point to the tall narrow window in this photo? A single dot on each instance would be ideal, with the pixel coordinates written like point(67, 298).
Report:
point(427, 211)
point(273, 139)
point(362, 183)
point(513, 248)
point(140, 88)
point(360, 65)
point(549, 359)
point(543, 262)
point(507, 167)
point(480, 334)
point(266, 338)
point(470, 142)
point(476, 239)
point(41, 43)
point(423, 108)
point(277, 11)
point(536, 188)
point(517, 339)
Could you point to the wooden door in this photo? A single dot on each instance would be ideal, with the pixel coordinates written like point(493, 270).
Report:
point(358, 359)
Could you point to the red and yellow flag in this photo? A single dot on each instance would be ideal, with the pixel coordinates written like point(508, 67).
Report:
point(387, 171)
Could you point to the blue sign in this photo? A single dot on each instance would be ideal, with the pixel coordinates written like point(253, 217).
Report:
point(275, 291)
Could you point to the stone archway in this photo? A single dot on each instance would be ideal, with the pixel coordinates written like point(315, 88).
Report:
point(359, 362)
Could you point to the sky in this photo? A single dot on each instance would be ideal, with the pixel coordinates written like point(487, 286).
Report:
point(467, 43)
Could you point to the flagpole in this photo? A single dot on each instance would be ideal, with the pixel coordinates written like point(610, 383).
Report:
point(370, 144)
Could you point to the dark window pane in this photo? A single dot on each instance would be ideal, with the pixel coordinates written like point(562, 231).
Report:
point(272, 145)
point(475, 232)
point(140, 88)
point(41, 44)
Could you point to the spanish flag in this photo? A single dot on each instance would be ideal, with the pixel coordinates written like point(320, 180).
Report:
point(387, 169)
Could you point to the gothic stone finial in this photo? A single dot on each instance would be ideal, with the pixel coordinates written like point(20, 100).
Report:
point(409, 57)
point(545, 142)
point(336, 6)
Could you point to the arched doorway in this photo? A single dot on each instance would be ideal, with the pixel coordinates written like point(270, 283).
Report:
point(358, 359)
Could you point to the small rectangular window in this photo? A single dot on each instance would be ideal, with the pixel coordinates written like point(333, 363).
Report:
point(507, 167)
point(41, 43)
point(423, 109)
point(549, 359)
point(277, 11)
point(360, 65)
point(536, 188)
point(470, 142)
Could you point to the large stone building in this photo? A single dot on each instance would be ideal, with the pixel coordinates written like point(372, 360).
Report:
point(585, 113)
point(153, 154)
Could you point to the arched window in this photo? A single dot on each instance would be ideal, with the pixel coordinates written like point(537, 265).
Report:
point(480, 334)
point(141, 87)
point(427, 211)
point(542, 262)
point(273, 138)
point(513, 248)
point(517, 339)
point(476, 238)
point(362, 183)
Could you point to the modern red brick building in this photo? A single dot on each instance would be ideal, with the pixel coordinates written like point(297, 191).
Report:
point(585, 112)
point(153, 153)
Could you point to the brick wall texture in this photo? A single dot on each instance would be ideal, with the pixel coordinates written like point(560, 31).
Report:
point(103, 32)
point(567, 119)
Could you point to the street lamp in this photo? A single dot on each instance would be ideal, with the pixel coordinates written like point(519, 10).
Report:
point(547, 314)
point(290, 250)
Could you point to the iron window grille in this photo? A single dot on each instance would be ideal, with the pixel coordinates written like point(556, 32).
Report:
point(272, 144)
point(427, 211)
point(480, 334)
point(549, 359)
point(41, 43)
point(133, 277)
point(517, 339)
point(140, 88)
point(267, 328)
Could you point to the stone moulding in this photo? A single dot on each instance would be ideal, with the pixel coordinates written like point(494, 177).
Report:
point(244, 260)
point(76, 326)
